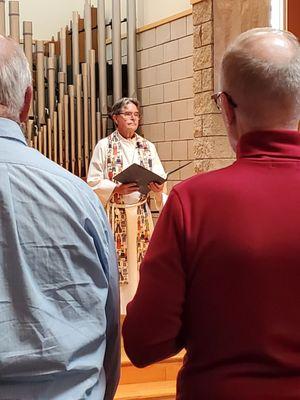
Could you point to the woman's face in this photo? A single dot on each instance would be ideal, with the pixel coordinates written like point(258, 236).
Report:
point(128, 120)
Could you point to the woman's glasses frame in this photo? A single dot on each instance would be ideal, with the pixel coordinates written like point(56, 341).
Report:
point(129, 114)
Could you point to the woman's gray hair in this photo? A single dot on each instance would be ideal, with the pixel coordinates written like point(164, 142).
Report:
point(118, 106)
point(15, 78)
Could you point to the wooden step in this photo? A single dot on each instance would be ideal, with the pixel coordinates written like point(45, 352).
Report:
point(155, 382)
point(165, 390)
point(165, 370)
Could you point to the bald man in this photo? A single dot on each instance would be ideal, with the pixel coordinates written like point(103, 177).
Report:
point(226, 284)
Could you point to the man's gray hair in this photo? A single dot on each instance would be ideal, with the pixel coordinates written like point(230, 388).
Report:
point(248, 74)
point(118, 106)
point(15, 78)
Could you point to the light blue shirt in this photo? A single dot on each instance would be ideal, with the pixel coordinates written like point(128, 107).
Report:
point(59, 301)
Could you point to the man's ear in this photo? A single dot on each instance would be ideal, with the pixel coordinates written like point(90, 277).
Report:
point(227, 112)
point(26, 106)
point(229, 119)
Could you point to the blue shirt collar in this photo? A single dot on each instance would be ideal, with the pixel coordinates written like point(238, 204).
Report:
point(11, 130)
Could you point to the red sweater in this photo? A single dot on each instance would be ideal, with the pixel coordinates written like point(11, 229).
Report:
point(221, 278)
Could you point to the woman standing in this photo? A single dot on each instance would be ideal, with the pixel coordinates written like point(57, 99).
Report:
point(127, 208)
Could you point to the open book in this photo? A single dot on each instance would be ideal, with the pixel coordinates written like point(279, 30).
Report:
point(142, 176)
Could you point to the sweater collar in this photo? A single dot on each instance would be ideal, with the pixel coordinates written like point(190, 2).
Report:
point(269, 144)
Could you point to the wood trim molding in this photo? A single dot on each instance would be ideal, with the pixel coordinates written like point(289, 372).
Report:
point(164, 21)
point(158, 23)
point(195, 1)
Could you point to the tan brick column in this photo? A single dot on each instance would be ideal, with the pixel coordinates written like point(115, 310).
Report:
point(211, 147)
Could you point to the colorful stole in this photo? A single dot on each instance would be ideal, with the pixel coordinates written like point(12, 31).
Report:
point(116, 206)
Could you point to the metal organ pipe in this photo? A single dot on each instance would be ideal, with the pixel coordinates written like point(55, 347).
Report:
point(102, 70)
point(14, 23)
point(131, 48)
point(116, 50)
point(2, 18)
point(75, 46)
point(40, 82)
point(27, 35)
point(77, 115)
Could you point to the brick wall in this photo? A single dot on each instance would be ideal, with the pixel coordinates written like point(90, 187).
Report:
point(211, 147)
point(165, 89)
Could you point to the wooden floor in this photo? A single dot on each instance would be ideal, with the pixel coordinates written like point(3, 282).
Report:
point(147, 390)
point(156, 382)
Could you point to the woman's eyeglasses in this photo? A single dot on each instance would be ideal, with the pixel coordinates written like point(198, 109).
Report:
point(129, 114)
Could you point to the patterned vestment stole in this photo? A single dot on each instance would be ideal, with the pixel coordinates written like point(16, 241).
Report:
point(117, 209)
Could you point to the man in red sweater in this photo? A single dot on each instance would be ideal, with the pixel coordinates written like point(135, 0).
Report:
point(221, 277)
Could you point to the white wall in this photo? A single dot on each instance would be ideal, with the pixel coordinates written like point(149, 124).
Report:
point(48, 16)
point(277, 14)
point(149, 11)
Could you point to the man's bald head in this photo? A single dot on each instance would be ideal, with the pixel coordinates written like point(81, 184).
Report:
point(15, 78)
point(261, 71)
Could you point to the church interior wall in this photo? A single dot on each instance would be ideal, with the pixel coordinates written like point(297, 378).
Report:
point(177, 75)
point(211, 148)
point(48, 23)
point(215, 24)
point(165, 88)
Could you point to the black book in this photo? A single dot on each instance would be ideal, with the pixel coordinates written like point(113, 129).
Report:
point(142, 176)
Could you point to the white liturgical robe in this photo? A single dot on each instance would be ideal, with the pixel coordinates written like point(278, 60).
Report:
point(103, 187)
